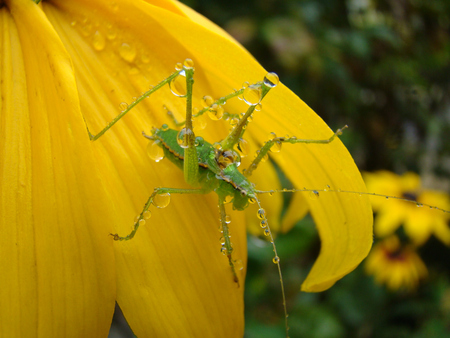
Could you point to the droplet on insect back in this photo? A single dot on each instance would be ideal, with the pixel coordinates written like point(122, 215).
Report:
point(188, 63)
point(207, 101)
point(178, 85)
point(276, 148)
point(252, 95)
point(98, 41)
point(161, 200)
point(154, 151)
point(314, 194)
point(242, 147)
point(276, 260)
point(261, 213)
point(227, 219)
point(164, 127)
point(183, 137)
point(271, 80)
point(228, 157)
point(123, 106)
point(147, 214)
point(127, 52)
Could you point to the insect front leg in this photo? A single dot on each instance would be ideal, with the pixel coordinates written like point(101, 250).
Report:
point(278, 141)
point(161, 203)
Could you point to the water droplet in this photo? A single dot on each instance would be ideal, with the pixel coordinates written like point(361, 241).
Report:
point(178, 85)
point(238, 264)
point(252, 95)
point(242, 147)
point(266, 232)
point(314, 194)
point(164, 127)
point(276, 260)
point(271, 80)
point(276, 148)
point(217, 146)
point(215, 112)
point(111, 33)
point(127, 52)
point(147, 214)
point(263, 223)
point(207, 101)
point(141, 222)
point(271, 192)
point(155, 151)
point(419, 205)
point(161, 200)
point(224, 250)
point(145, 58)
point(272, 136)
point(227, 219)
point(98, 41)
point(123, 106)
point(227, 157)
point(234, 122)
point(261, 213)
point(251, 200)
point(178, 66)
point(183, 137)
point(188, 63)
point(258, 107)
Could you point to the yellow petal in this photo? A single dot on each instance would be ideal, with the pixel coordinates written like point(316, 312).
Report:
point(56, 258)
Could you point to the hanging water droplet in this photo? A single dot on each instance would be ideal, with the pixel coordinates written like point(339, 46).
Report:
point(271, 193)
point(179, 66)
point(258, 107)
point(178, 85)
point(251, 200)
point(147, 214)
point(188, 63)
point(141, 222)
point(98, 41)
point(272, 136)
point(261, 213)
point(215, 112)
point(127, 52)
point(224, 250)
point(263, 223)
point(227, 219)
point(123, 106)
point(271, 80)
point(419, 205)
point(252, 95)
point(234, 121)
point(276, 260)
point(276, 148)
point(161, 200)
point(266, 232)
point(314, 194)
point(155, 151)
point(183, 137)
point(242, 147)
point(207, 101)
point(111, 32)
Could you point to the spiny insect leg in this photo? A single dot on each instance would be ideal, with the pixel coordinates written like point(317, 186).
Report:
point(145, 214)
point(279, 140)
point(227, 247)
point(131, 106)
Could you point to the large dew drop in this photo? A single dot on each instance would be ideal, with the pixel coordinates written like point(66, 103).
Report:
point(127, 52)
point(161, 200)
point(183, 137)
point(178, 85)
point(252, 95)
point(154, 151)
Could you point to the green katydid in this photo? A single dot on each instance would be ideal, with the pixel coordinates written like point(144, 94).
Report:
point(214, 167)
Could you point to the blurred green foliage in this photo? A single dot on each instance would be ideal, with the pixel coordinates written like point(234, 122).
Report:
point(383, 68)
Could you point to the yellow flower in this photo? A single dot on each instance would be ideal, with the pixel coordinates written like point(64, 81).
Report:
point(419, 221)
point(62, 195)
point(396, 266)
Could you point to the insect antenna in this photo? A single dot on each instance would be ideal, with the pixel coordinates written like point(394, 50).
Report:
point(276, 259)
point(316, 193)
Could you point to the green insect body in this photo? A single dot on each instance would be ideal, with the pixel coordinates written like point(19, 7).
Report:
point(214, 167)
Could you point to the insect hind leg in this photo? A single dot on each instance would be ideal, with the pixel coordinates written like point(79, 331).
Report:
point(145, 213)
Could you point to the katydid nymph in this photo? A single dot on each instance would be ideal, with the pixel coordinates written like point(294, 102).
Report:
point(214, 167)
